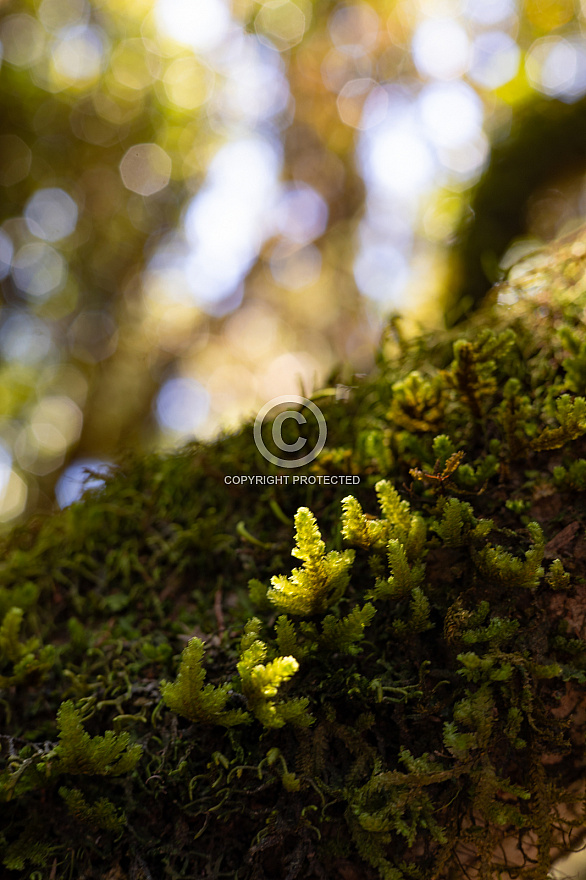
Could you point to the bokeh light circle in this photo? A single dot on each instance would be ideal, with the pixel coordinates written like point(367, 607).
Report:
point(145, 169)
point(51, 214)
point(38, 269)
point(182, 405)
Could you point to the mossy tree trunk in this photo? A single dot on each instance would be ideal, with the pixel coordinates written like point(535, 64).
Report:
point(406, 703)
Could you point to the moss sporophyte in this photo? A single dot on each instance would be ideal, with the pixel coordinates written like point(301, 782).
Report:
point(405, 701)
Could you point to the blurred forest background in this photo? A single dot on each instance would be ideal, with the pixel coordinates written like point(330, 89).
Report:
point(204, 205)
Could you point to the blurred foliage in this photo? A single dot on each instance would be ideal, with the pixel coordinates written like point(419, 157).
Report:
point(69, 317)
point(140, 305)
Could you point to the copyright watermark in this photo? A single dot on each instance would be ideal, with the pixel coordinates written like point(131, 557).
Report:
point(292, 480)
point(291, 431)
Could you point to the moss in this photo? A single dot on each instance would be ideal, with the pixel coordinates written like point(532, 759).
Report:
point(400, 704)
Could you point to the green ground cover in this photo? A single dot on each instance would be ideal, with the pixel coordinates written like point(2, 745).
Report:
point(180, 699)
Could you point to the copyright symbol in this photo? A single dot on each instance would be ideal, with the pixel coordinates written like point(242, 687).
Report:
point(286, 430)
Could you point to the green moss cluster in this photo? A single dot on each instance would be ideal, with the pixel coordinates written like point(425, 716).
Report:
point(178, 701)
